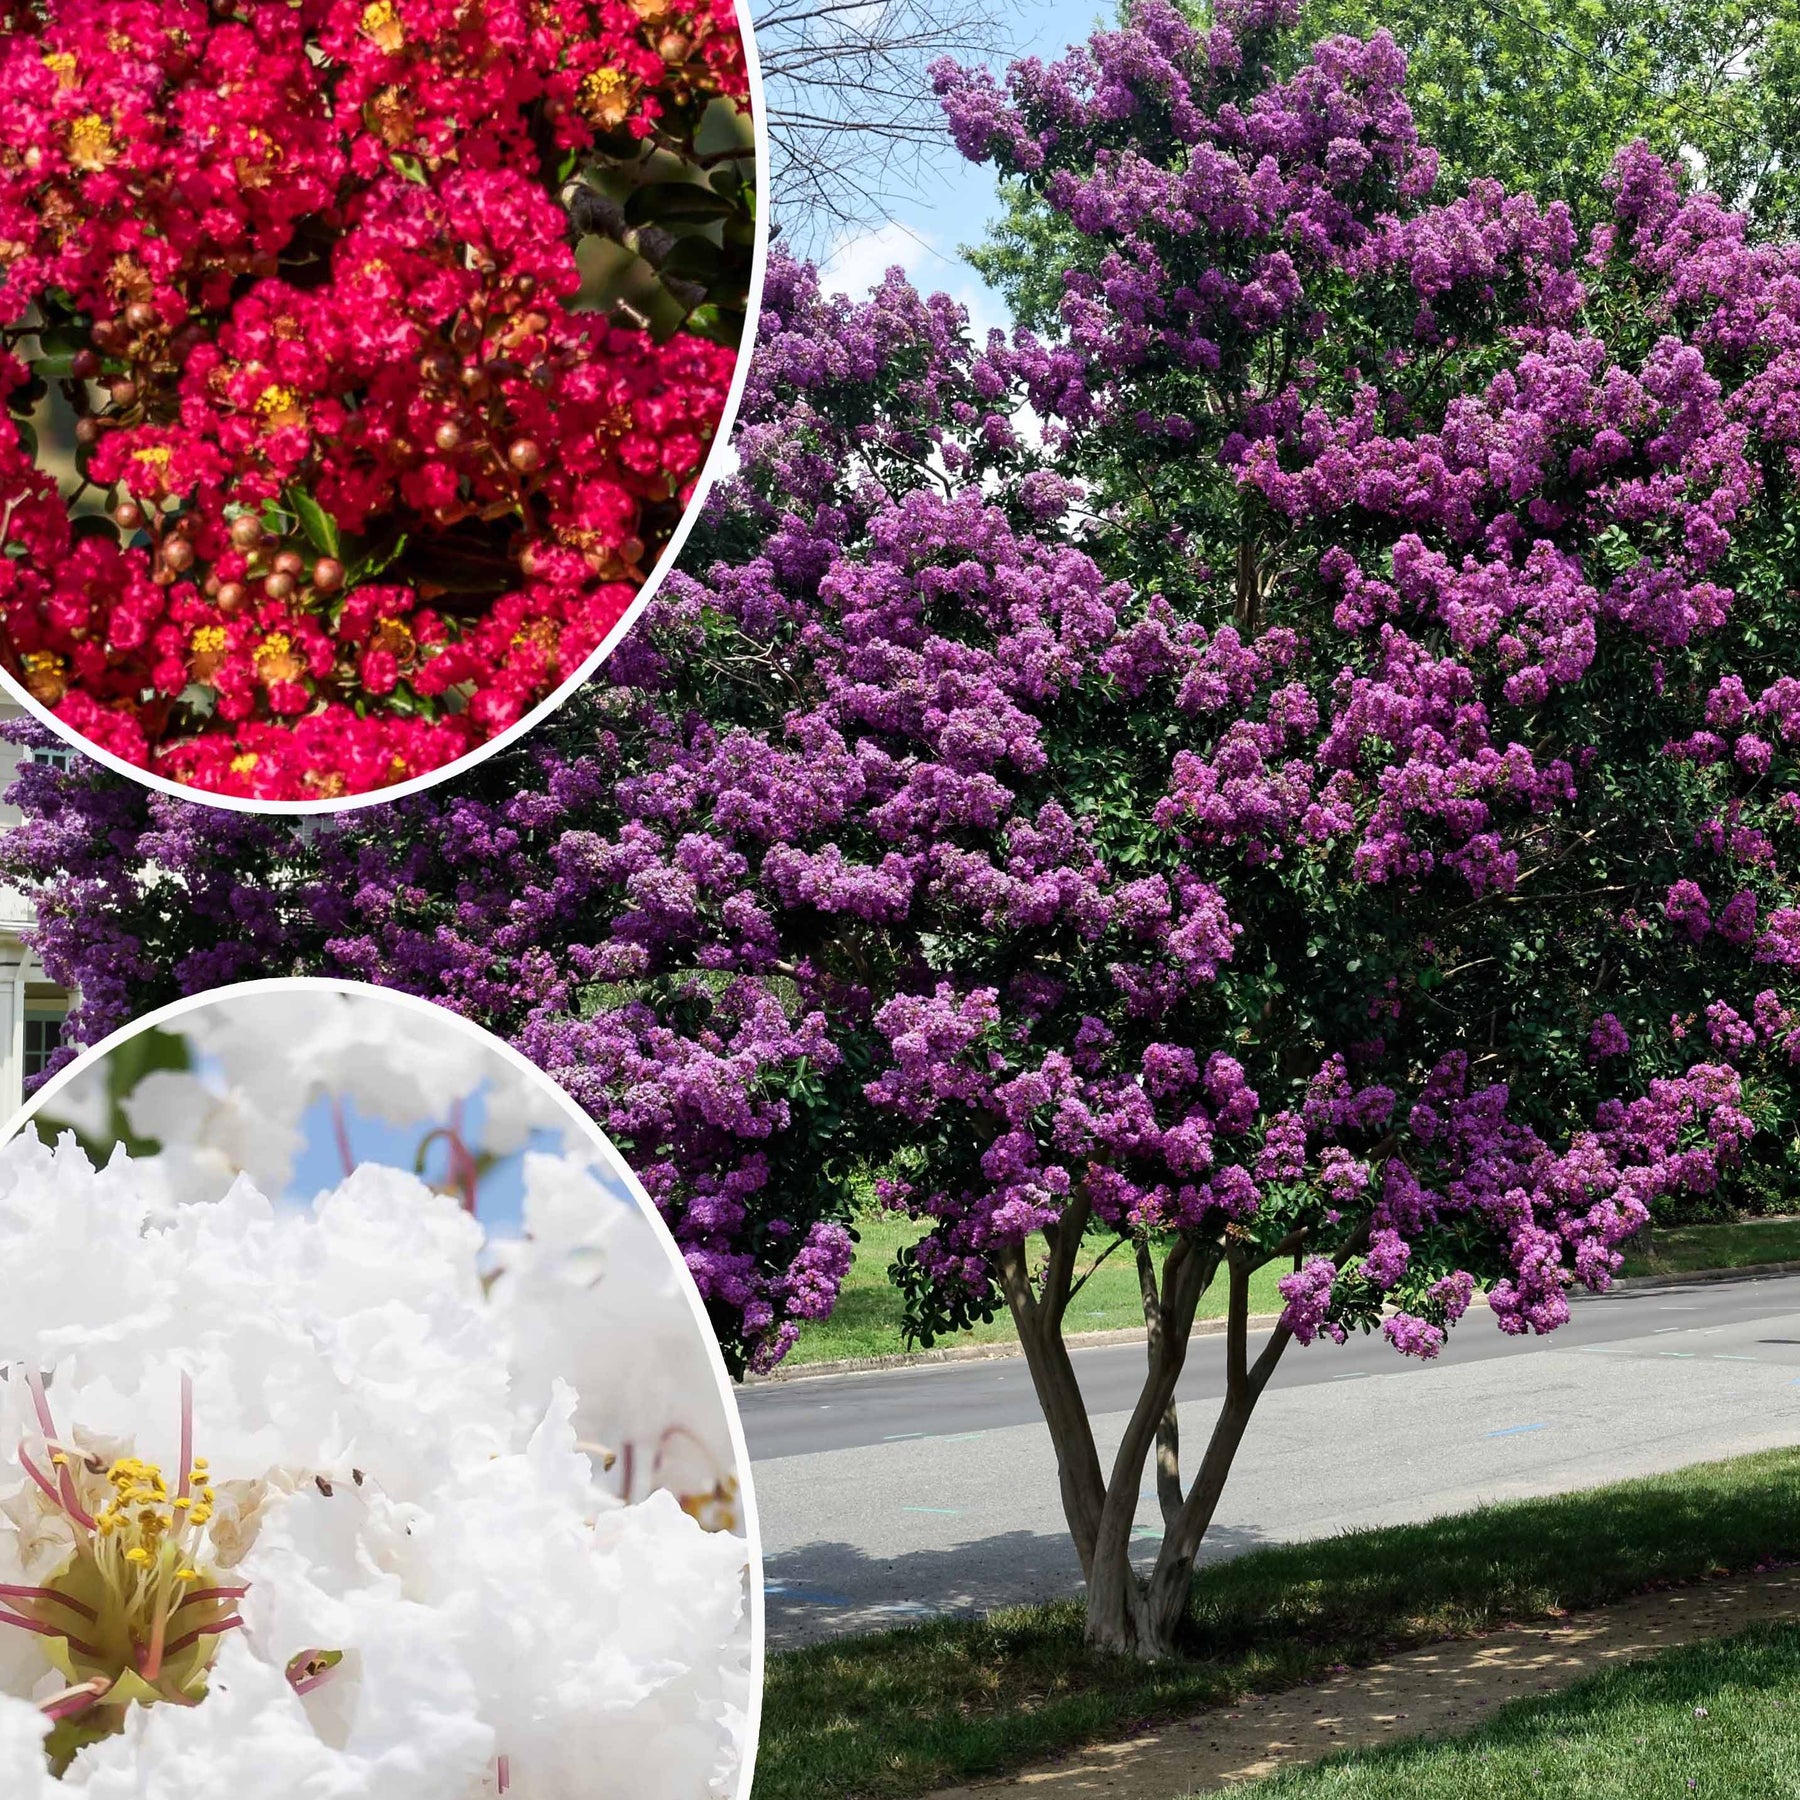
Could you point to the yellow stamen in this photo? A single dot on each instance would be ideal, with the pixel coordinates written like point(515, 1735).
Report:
point(90, 142)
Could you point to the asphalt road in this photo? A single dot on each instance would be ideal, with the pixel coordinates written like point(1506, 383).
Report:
point(909, 1492)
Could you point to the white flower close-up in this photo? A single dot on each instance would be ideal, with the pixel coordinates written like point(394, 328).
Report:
point(307, 1503)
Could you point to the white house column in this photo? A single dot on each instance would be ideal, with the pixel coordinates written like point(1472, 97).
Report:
point(12, 1034)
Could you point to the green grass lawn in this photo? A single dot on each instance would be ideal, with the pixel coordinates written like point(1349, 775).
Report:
point(866, 1320)
point(899, 1713)
point(1713, 1721)
point(1736, 1246)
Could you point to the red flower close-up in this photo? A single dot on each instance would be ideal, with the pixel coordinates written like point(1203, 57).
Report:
point(361, 360)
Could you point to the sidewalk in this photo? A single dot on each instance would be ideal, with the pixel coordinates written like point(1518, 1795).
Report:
point(1443, 1690)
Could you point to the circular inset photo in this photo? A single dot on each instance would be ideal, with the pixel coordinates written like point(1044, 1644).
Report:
point(361, 1432)
point(363, 364)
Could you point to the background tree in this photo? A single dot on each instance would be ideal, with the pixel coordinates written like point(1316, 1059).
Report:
point(1540, 97)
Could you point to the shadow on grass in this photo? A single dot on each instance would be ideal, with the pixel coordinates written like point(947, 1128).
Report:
point(1716, 1720)
point(899, 1713)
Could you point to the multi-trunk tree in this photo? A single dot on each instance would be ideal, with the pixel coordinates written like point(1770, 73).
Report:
point(1296, 767)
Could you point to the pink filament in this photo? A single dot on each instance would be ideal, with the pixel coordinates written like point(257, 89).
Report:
point(306, 1683)
point(214, 1593)
point(66, 1495)
point(504, 1771)
point(74, 1700)
point(40, 1477)
point(24, 1624)
point(187, 1433)
point(44, 1593)
point(189, 1639)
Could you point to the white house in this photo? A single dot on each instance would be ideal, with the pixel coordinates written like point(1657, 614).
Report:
point(31, 1007)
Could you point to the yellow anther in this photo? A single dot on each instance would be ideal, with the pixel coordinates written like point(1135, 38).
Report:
point(381, 23)
point(90, 142)
point(137, 1554)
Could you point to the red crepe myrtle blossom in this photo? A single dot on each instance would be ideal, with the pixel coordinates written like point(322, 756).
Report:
point(356, 479)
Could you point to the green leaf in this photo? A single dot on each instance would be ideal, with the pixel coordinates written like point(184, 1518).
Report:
point(658, 202)
point(319, 526)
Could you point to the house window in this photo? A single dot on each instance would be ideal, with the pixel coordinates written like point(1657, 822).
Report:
point(43, 1038)
point(55, 756)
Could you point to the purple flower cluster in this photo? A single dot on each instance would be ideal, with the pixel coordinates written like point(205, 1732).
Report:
point(1068, 753)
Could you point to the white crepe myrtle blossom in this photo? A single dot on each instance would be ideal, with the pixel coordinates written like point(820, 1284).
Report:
point(276, 1521)
point(590, 1295)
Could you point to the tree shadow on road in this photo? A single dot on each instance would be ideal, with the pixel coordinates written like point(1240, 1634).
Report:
point(832, 1590)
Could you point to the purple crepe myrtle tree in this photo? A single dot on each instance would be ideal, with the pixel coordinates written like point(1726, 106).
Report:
point(1298, 768)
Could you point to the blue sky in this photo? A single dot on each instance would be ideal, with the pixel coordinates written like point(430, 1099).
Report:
point(319, 1165)
point(957, 200)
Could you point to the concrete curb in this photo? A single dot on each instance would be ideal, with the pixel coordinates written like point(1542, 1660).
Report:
point(1749, 1272)
point(1093, 1340)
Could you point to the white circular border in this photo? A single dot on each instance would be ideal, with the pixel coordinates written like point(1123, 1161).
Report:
point(710, 470)
point(439, 1016)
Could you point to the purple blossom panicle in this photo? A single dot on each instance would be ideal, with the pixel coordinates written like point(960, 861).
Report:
point(1221, 765)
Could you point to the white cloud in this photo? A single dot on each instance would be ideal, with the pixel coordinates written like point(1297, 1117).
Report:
point(858, 264)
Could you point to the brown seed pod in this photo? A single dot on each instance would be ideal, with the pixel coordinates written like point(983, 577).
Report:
point(279, 587)
point(289, 562)
point(128, 515)
point(84, 365)
point(178, 554)
point(247, 531)
point(140, 316)
point(232, 595)
point(524, 456)
point(87, 431)
point(328, 575)
point(448, 436)
point(124, 391)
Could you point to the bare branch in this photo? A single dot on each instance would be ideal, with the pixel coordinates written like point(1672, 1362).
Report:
point(853, 124)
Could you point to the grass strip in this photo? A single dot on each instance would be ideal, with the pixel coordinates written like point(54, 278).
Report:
point(898, 1713)
point(867, 1321)
point(1690, 1249)
point(1711, 1721)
